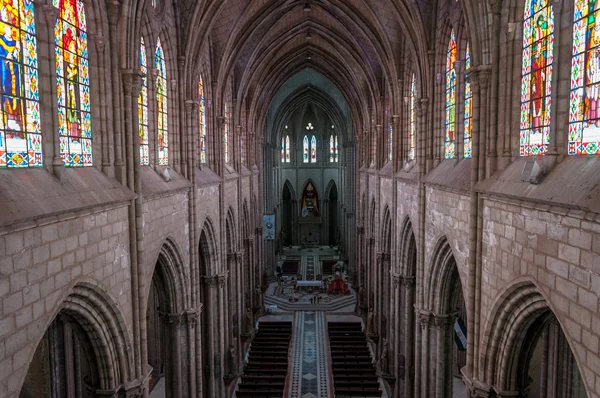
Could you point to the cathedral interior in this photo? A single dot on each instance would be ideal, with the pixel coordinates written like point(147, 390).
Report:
point(299, 198)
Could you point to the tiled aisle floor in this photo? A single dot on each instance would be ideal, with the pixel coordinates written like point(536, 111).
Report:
point(309, 370)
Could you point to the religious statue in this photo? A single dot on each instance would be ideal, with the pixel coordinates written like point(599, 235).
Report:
point(310, 201)
point(383, 357)
point(233, 357)
point(249, 320)
point(370, 321)
point(10, 50)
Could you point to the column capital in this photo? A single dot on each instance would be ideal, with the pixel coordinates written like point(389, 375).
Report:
point(485, 71)
point(210, 280)
point(171, 318)
point(100, 42)
point(50, 14)
point(221, 278)
point(424, 318)
point(407, 280)
point(114, 9)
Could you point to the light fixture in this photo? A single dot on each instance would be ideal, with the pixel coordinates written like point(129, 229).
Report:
point(307, 8)
point(308, 55)
point(308, 36)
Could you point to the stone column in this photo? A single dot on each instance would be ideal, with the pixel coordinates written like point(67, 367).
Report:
point(211, 318)
point(425, 321)
point(194, 322)
point(395, 328)
point(172, 324)
point(407, 325)
point(223, 332)
point(52, 159)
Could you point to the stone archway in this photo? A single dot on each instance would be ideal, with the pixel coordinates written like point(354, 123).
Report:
point(84, 351)
point(526, 352)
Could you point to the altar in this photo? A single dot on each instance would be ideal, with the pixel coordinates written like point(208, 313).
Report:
point(308, 285)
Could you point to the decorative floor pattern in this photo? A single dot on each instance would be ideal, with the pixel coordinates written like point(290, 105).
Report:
point(309, 374)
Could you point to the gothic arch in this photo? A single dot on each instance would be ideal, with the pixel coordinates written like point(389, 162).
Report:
point(170, 268)
point(408, 249)
point(329, 186)
point(510, 334)
point(208, 253)
point(98, 317)
point(443, 275)
point(289, 185)
point(230, 231)
point(386, 231)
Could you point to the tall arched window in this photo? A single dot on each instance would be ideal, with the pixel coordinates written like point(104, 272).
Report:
point(282, 149)
point(451, 57)
point(20, 130)
point(226, 132)
point(390, 140)
point(162, 105)
point(468, 107)
point(305, 149)
point(337, 150)
point(202, 111)
point(584, 113)
point(287, 149)
point(73, 84)
point(313, 149)
point(143, 107)
point(536, 87)
point(331, 149)
point(413, 119)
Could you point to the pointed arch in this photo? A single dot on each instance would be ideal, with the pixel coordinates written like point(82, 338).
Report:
point(73, 83)
point(96, 314)
point(289, 186)
point(207, 245)
point(443, 277)
point(162, 103)
point(171, 270)
point(451, 58)
point(305, 149)
point(510, 334)
point(386, 231)
point(230, 230)
point(408, 249)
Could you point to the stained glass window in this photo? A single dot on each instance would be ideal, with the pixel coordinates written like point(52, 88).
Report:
point(287, 149)
point(584, 116)
point(413, 119)
point(226, 133)
point(468, 107)
point(331, 149)
point(202, 121)
point(162, 105)
point(305, 149)
point(313, 149)
point(143, 107)
point(337, 150)
point(20, 139)
point(451, 57)
point(390, 140)
point(73, 84)
point(536, 87)
point(282, 149)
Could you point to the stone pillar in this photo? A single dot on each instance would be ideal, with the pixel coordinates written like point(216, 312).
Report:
point(407, 324)
point(172, 324)
point(425, 321)
point(211, 318)
point(395, 324)
point(223, 332)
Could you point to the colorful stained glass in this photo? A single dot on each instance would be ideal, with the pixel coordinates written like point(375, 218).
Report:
point(468, 107)
point(143, 107)
point(305, 149)
point(584, 112)
point(331, 149)
point(536, 91)
point(282, 150)
point(313, 149)
point(20, 130)
point(451, 57)
point(202, 121)
point(226, 133)
point(162, 105)
point(287, 149)
point(390, 140)
point(73, 84)
point(413, 119)
point(337, 150)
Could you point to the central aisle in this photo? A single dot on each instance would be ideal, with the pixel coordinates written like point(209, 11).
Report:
point(310, 368)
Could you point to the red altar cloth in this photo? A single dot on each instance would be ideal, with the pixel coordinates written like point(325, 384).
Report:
point(338, 285)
